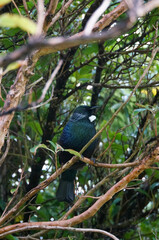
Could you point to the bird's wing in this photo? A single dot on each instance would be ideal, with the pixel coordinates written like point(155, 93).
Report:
point(76, 117)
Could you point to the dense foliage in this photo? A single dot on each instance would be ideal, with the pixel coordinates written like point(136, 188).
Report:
point(102, 73)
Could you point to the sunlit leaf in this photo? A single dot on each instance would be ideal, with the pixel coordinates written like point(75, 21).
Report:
point(13, 66)
point(53, 144)
point(154, 91)
point(4, 2)
point(14, 21)
point(19, 218)
point(35, 148)
point(73, 152)
point(144, 91)
point(140, 110)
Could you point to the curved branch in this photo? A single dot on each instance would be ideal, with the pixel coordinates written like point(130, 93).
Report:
point(107, 165)
point(34, 45)
point(93, 19)
point(145, 163)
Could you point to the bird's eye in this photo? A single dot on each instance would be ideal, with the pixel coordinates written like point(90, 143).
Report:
point(92, 118)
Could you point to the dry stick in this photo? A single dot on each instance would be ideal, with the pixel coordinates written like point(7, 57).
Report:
point(74, 230)
point(43, 103)
point(146, 162)
point(16, 7)
point(108, 18)
point(59, 13)
point(30, 86)
point(80, 230)
point(41, 18)
point(107, 165)
point(1, 72)
point(12, 99)
point(95, 16)
point(26, 8)
point(149, 6)
point(153, 84)
point(52, 7)
point(47, 85)
point(2, 159)
point(87, 230)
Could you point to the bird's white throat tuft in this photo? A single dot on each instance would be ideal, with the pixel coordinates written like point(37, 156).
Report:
point(92, 118)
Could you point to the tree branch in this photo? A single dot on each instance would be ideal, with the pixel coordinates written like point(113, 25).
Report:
point(61, 43)
point(149, 159)
point(13, 97)
point(93, 19)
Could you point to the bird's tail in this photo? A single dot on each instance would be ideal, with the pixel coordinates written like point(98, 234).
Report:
point(65, 191)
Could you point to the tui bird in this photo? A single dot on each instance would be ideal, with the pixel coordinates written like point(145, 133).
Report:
point(76, 134)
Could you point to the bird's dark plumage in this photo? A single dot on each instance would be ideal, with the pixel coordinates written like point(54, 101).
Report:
point(76, 134)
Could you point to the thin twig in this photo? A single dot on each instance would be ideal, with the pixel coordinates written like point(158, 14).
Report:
point(49, 82)
point(52, 7)
point(58, 15)
point(16, 7)
point(95, 16)
point(14, 194)
point(26, 8)
point(154, 52)
point(43, 103)
point(34, 83)
point(1, 73)
point(41, 17)
point(37, 104)
point(148, 160)
point(35, 190)
point(107, 165)
point(148, 7)
point(6, 151)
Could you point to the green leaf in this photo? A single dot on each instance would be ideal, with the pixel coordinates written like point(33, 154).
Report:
point(156, 184)
point(13, 66)
point(2, 204)
point(35, 125)
point(157, 115)
point(4, 2)
point(73, 152)
point(34, 149)
point(140, 110)
point(11, 237)
point(14, 21)
point(52, 143)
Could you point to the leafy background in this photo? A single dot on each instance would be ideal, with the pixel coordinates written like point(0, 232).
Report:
point(102, 74)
